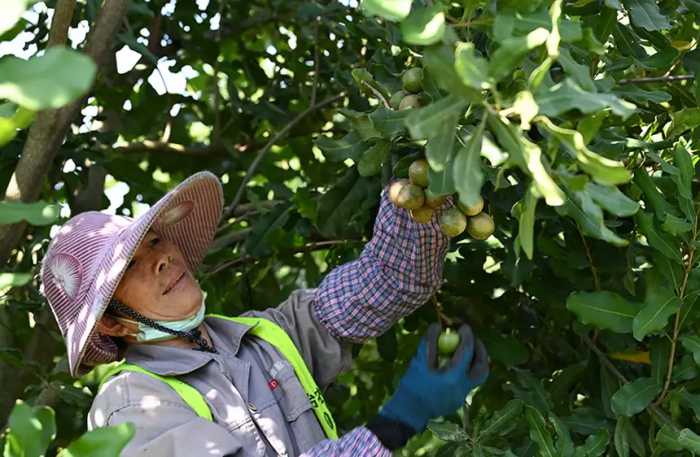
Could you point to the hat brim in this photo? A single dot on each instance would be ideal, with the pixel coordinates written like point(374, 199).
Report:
point(188, 216)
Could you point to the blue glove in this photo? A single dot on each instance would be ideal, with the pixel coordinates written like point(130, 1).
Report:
point(426, 391)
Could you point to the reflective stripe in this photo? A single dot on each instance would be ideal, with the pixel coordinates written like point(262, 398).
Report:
point(276, 336)
point(189, 394)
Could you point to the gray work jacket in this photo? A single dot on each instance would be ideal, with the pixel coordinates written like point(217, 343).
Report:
point(253, 414)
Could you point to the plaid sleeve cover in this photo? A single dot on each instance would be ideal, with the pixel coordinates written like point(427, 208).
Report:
point(358, 442)
point(398, 271)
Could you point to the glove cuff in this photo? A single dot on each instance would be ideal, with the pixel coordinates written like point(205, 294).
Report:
point(404, 407)
point(393, 434)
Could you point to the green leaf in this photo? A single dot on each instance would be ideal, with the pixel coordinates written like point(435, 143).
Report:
point(596, 444)
point(654, 198)
point(511, 52)
point(9, 126)
point(552, 43)
point(371, 162)
point(660, 303)
point(580, 73)
point(440, 63)
point(659, 241)
point(423, 122)
point(589, 217)
point(685, 119)
point(659, 352)
point(675, 225)
point(500, 419)
point(351, 146)
point(605, 171)
point(686, 439)
point(49, 81)
point(448, 431)
point(539, 433)
point(524, 210)
point(389, 123)
point(612, 199)
point(391, 10)
point(604, 310)
point(564, 444)
point(472, 69)
point(437, 122)
point(684, 179)
point(8, 280)
point(636, 94)
point(527, 156)
point(525, 107)
point(424, 26)
point(622, 445)
point(467, 172)
point(101, 442)
point(37, 213)
point(345, 206)
point(692, 401)
point(31, 430)
point(12, 11)
point(634, 397)
point(366, 82)
point(691, 344)
point(257, 242)
point(568, 95)
point(442, 182)
point(646, 14)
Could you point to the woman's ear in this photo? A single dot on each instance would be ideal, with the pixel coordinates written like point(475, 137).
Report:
point(110, 326)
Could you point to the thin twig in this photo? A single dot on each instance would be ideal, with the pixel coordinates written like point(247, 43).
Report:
point(442, 317)
point(316, 68)
point(378, 94)
point(254, 165)
point(653, 408)
point(657, 79)
point(594, 270)
point(677, 321)
point(309, 247)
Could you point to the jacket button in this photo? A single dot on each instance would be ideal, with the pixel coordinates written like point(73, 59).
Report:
point(252, 407)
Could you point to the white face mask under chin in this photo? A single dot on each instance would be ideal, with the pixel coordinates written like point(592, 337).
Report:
point(149, 334)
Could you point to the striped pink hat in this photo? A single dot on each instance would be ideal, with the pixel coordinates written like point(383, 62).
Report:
point(87, 257)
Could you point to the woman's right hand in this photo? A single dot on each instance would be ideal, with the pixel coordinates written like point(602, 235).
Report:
point(427, 391)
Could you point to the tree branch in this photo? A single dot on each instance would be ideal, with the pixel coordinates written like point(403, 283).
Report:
point(48, 131)
point(657, 79)
point(160, 147)
point(254, 165)
point(594, 270)
point(309, 247)
point(62, 17)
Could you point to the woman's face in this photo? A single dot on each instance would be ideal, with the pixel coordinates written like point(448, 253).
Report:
point(157, 282)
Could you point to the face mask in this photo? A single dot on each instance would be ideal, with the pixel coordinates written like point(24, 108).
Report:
point(147, 333)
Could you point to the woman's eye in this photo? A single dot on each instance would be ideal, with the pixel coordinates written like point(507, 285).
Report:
point(131, 264)
point(154, 241)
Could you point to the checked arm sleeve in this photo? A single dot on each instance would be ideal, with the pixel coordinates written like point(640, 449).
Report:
point(398, 271)
point(359, 442)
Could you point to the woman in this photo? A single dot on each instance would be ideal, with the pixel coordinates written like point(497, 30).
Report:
point(251, 386)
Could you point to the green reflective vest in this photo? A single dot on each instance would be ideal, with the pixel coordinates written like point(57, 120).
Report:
point(277, 337)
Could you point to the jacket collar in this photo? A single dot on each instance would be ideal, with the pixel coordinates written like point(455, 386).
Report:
point(174, 361)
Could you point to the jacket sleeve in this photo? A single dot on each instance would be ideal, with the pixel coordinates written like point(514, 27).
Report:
point(359, 442)
point(164, 425)
point(325, 355)
point(398, 271)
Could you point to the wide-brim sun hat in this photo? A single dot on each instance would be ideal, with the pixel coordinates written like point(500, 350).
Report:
point(88, 255)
